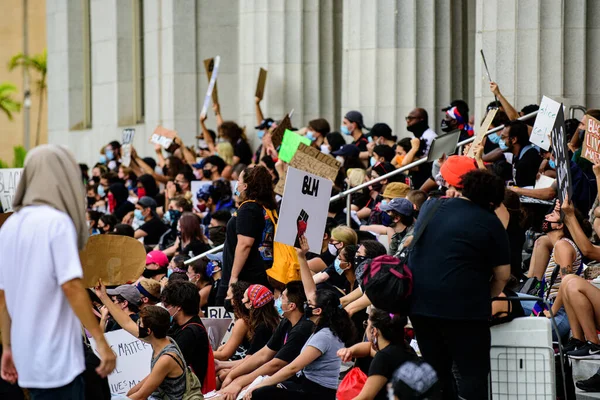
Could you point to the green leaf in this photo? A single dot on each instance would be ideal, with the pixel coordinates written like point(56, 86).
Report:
point(19, 153)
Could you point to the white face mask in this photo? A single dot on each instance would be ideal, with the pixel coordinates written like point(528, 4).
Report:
point(325, 149)
point(332, 249)
point(340, 159)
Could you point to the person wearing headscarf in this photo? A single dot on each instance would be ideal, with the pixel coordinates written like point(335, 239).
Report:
point(40, 318)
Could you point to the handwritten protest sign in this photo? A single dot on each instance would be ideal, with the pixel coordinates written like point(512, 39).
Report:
point(133, 361)
point(482, 131)
point(126, 142)
point(163, 136)
point(209, 66)
point(561, 156)
point(9, 180)
point(311, 160)
point(114, 259)
point(260, 85)
point(211, 85)
point(544, 123)
point(303, 209)
point(591, 146)
point(279, 131)
point(289, 145)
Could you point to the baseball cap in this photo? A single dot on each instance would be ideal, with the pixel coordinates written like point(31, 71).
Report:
point(265, 123)
point(462, 106)
point(147, 202)
point(149, 288)
point(356, 117)
point(215, 257)
point(205, 191)
point(455, 167)
point(381, 129)
point(347, 150)
point(128, 292)
point(396, 189)
point(399, 205)
point(259, 295)
point(157, 257)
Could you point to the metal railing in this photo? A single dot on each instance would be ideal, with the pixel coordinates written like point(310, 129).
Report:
point(348, 193)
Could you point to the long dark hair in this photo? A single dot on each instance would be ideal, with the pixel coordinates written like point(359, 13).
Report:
point(239, 310)
point(149, 184)
point(190, 228)
point(334, 317)
point(391, 326)
point(231, 132)
point(259, 187)
point(266, 315)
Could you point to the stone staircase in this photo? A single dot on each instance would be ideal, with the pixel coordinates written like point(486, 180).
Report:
point(583, 369)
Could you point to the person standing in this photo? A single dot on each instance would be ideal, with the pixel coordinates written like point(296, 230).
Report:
point(41, 240)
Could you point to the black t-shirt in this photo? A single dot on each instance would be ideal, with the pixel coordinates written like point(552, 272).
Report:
point(525, 167)
point(193, 342)
point(261, 337)
point(361, 143)
point(387, 361)
point(337, 280)
point(419, 176)
point(242, 150)
point(154, 229)
point(112, 325)
point(195, 248)
point(288, 340)
point(452, 262)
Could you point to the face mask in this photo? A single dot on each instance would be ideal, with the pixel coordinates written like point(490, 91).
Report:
point(102, 159)
point(169, 272)
point(325, 149)
point(386, 220)
point(138, 215)
point(340, 159)
point(552, 164)
point(547, 226)
point(141, 192)
point(384, 202)
point(207, 173)
point(235, 190)
point(228, 306)
point(172, 316)
point(374, 341)
point(332, 249)
point(344, 129)
point(311, 136)
point(101, 191)
point(308, 311)
point(502, 145)
point(399, 160)
point(444, 126)
point(494, 138)
point(260, 134)
point(359, 259)
point(417, 128)
point(143, 332)
point(210, 269)
point(109, 154)
point(90, 201)
point(278, 307)
point(372, 161)
point(202, 207)
point(338, 266)
point(377, 187)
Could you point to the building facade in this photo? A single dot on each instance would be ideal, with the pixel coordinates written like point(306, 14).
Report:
point(115, 64)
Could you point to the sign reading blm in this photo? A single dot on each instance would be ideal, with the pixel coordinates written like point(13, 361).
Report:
point(561, 156)
point(304, 209)
point(9, 180)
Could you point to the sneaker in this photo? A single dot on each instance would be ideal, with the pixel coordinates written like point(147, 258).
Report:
point(590, 385)
point(572, 345)
point(589, 351)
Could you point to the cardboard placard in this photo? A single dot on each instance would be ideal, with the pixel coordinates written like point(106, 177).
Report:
point(591, 146)
point(9, 180)
point(290, 143)
point(133, 360)
point(482, 131)
point(211, 85)
point(260, 85)
point(561, 156)
point(209, 66)
point(126, 142)
point(277, 134)
point(311, 160)
point(163, 136)
point(114, 259)
point(4, 217)
point(304, 207)
point(544, 123)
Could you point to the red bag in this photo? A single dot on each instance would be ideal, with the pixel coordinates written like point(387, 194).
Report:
point(351, 385)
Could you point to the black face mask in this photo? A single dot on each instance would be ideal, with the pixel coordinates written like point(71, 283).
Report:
point(547, 226)
point(377, 186)
point(143, 332)
point(228, 306)
point(150, 273)
point(91, 200)
point(418, 128)
point(308, 311)
point(359, 259)
point(445, 126)
point(165, 170)
point(207, 173)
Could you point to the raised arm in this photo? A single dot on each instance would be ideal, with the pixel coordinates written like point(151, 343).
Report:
point(310, 287)
point(119, 315)
point(510, 111)
point(207, 138)
point(217, 109)
point(259, 113)
point(188, 156)
point(581, 240)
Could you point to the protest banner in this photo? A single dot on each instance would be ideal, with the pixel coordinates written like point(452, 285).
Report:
point(311, 160)
point(217, 328)
point(561, 156)
point(211, 85)
point(443, 145)
point(303, 209)
point(126, 142)
point(163, 136)
point(544, 123)
point(133, 361)
point(260, 85)
point(9, 180)
point(482, 131)
point(114, 259)
point(209, 66)
point(278, 132)
point(591, 146)
point(289, 145)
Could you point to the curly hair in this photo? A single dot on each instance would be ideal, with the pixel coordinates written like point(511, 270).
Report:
point(483, 188)
point(373, 248)
point(334, 317)
point(259, 187)
point(238, 288)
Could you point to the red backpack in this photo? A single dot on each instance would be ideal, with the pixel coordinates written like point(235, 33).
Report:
point(210, 379)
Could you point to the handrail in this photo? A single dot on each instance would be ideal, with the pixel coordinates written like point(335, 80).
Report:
point(355, 189)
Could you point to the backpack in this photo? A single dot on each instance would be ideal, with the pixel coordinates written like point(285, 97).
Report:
point(210, 379)
point(192, 384)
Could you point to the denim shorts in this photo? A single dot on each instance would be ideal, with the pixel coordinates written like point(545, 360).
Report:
point(562, 322)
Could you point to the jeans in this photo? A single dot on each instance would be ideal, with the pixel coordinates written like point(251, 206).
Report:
point(72, 391)
point(464, 344)
point(562, 322)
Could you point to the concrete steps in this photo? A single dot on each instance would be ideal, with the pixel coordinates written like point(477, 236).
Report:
point(583, 369)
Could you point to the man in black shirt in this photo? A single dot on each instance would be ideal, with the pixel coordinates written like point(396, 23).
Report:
point(352, 125)
point(526, 158)
point(285, 344)
point(152, 228)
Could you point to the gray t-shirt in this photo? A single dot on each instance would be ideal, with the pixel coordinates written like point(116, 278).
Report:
point(325, 370)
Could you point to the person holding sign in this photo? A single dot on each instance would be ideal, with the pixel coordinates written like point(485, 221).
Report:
point(42, 239)
point(526, 158)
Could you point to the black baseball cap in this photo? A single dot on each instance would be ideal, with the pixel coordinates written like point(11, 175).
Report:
point(347, 150)
point(356, 117)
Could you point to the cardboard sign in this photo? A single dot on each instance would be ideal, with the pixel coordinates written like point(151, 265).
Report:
point(114, 259)
point(126, 142)
point(4, 217)
point(591, 146)
point(260, 85)
point(9, 180)
point(163, 136)
point(289, 145)
point(311, 160)
point(211, 85)
point(277, 135)
point(133, 361)
point(482, 131)
point(561, 156)
point(303, 209)
point(209, 66)
point(443, 145)
point(544, 123)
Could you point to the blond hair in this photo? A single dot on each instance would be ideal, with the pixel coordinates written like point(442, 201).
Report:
point(344, 234)
point(356, 176)
point(225, 151)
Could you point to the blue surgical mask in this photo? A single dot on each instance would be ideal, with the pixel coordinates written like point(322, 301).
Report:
point(337, 265)
point(235, 190)
point(552, 164)
point(278, 307)
point(210, 269)
point(311, 136)
point(344, 129)
point(102, 159)
point(503, 145)
point(101, 191)
point(138, 215)
point(494, 138)
point(384, 202)
point(325, 149)
point(169, 272)
point(372, 161)
point(260, 134)
point(109, 154)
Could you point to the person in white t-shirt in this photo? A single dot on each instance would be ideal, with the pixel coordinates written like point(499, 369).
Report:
point(417, 122)
point(42, 297)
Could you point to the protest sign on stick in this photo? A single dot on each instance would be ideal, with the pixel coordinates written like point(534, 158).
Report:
point(114, 259)
point(9, 180)
point(561, 156)
point(544, 123)
point(126, 142)
point(277, 135)
point(289, 145)
point(591, 146)
point(482, 131)
point(163, 136)
point(133, 361)
point(211, 85)
point(209, 65)
point(260, 85)
point(303, 209)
